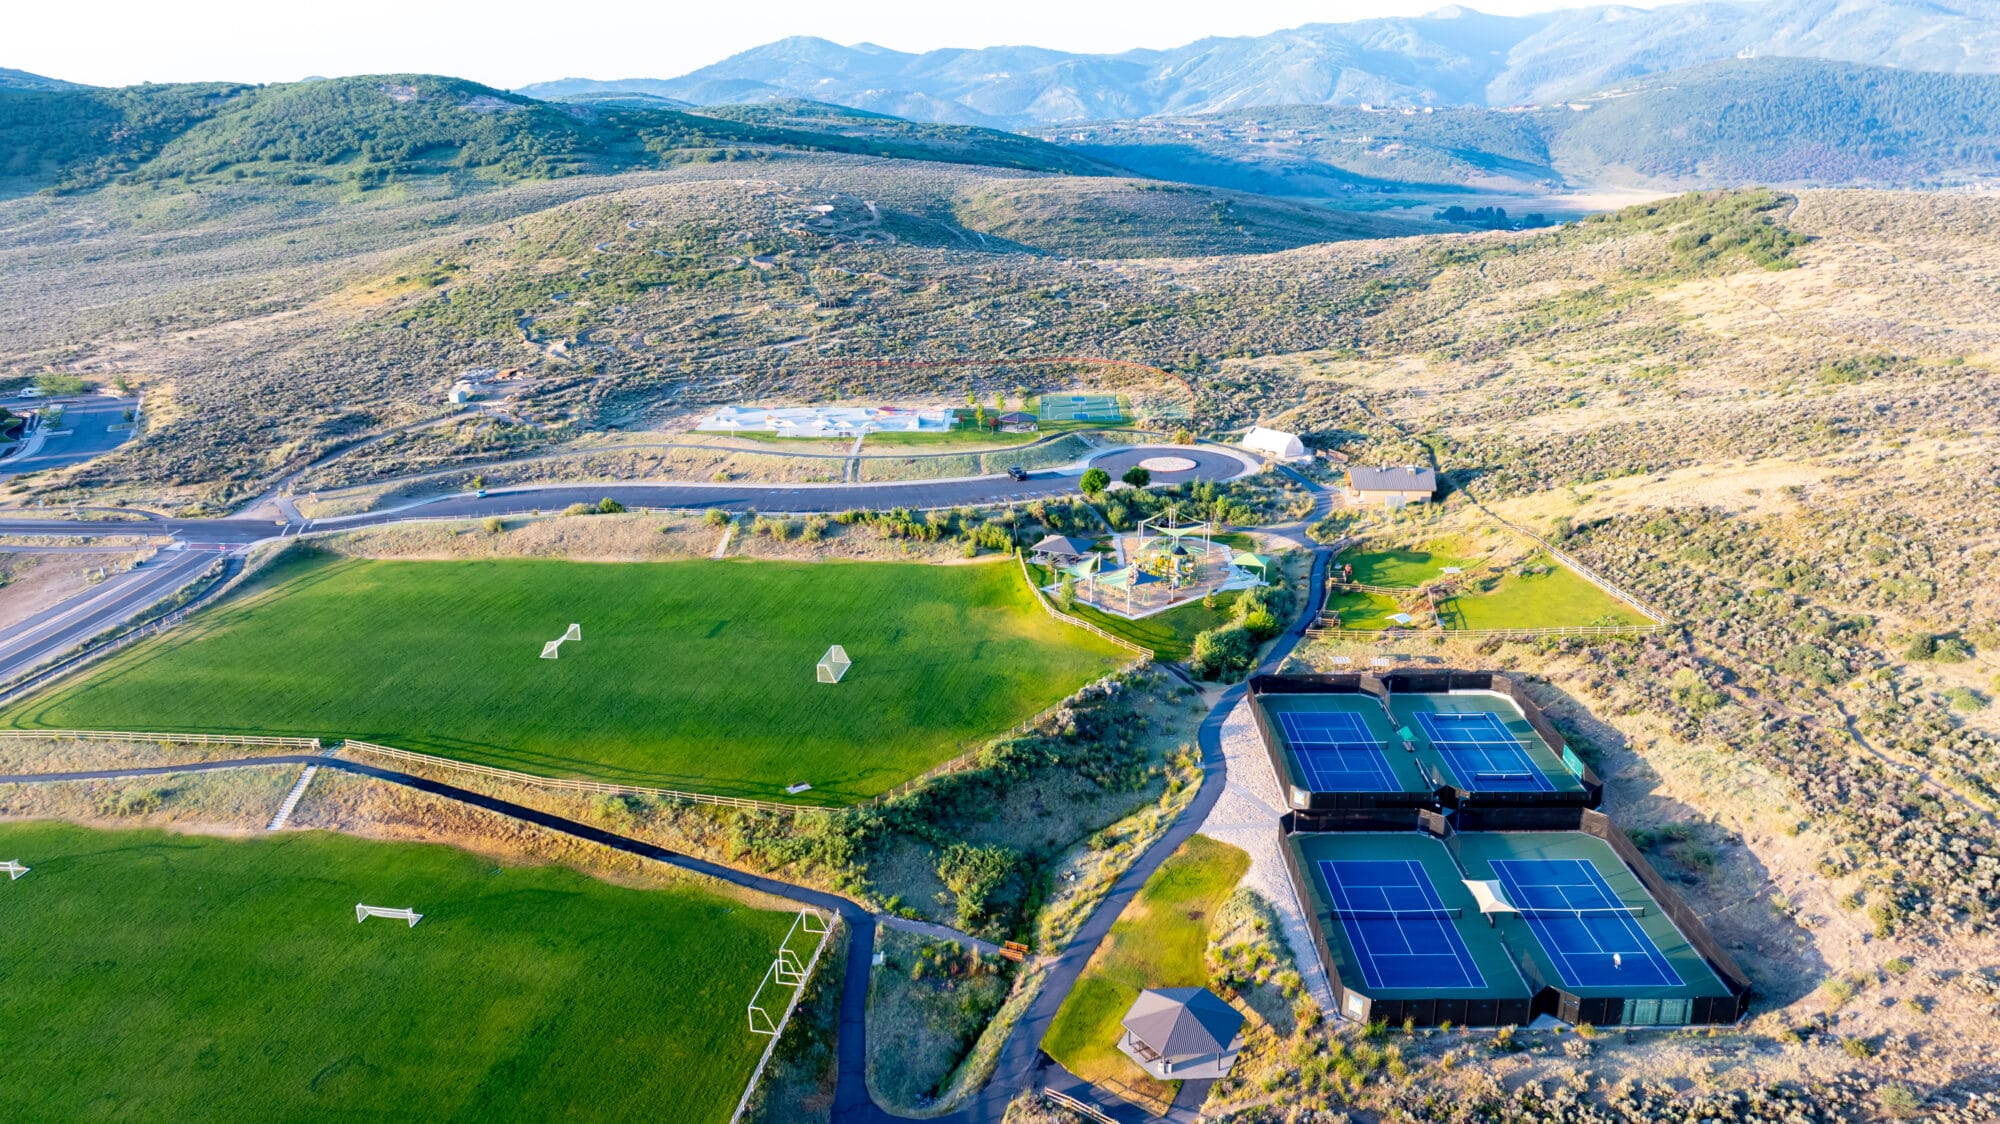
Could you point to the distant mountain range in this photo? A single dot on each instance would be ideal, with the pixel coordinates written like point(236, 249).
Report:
point(1452, 57)
point(1792, 121)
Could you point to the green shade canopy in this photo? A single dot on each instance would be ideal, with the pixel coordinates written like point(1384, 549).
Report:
point(1127, 576)
point(1083, 567)
point(1248, 561)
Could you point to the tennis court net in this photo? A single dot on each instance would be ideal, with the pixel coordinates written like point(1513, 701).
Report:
point(1398, 914)
point(1454, 914)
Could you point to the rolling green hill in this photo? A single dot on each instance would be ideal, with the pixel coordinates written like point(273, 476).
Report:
point(11, 79)
point(368, 131)
point(72, 139)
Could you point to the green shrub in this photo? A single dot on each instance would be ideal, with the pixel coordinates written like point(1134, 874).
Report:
point(132, 802)
point(1221, 651)
point(975, 875)
point(1898, 1101)
point(1965, 700)
point(1260, 624)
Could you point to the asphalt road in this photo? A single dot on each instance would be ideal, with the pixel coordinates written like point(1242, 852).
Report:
point(773, 498)
point(57, 629)
point(85, 433)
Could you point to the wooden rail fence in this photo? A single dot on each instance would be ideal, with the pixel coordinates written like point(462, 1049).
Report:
point(1391, 634)
point(1049, 608)
point(176, 739)
point(1080, 1107)
point(1364, 587)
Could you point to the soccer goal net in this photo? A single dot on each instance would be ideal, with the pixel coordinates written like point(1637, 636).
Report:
point(552, 650)
point(833, 665)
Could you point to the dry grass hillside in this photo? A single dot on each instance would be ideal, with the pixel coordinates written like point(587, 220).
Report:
point(1796, 466)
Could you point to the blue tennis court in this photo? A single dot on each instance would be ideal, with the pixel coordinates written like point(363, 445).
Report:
point(1482, 753)
point(1589, 934)
point(1336, 752)
point(1398, 926)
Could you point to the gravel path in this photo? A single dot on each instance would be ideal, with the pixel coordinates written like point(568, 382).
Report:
point(1247, 816)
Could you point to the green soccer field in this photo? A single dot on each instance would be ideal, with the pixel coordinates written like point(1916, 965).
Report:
point(151, 976)
point(689, 675)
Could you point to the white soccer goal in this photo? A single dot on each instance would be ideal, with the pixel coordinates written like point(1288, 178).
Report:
point(364, 912)
point(553, 648)
point(14, 869)
point(834, 664)
point(789, 970)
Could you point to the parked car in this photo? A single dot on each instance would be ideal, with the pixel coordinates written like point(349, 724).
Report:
point(1018, 473)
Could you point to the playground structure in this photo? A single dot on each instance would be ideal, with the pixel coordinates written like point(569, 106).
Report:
point(1164, 563)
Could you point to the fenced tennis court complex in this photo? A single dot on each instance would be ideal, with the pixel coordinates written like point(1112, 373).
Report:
point(1444, 837)
point(1335, 744)
point(1496, 927)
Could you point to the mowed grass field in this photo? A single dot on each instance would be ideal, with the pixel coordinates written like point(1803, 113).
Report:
point(690, 675)
point(1159, 941)
point(1557, 598)
point(152, 976)
point(1401, 569)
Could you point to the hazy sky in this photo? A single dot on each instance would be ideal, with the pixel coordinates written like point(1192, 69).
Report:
point(514, 42)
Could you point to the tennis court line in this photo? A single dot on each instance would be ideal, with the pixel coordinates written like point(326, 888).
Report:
point(1481, 740)
point(1593, 885)
point(1417, 878)
point(1345, 735)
